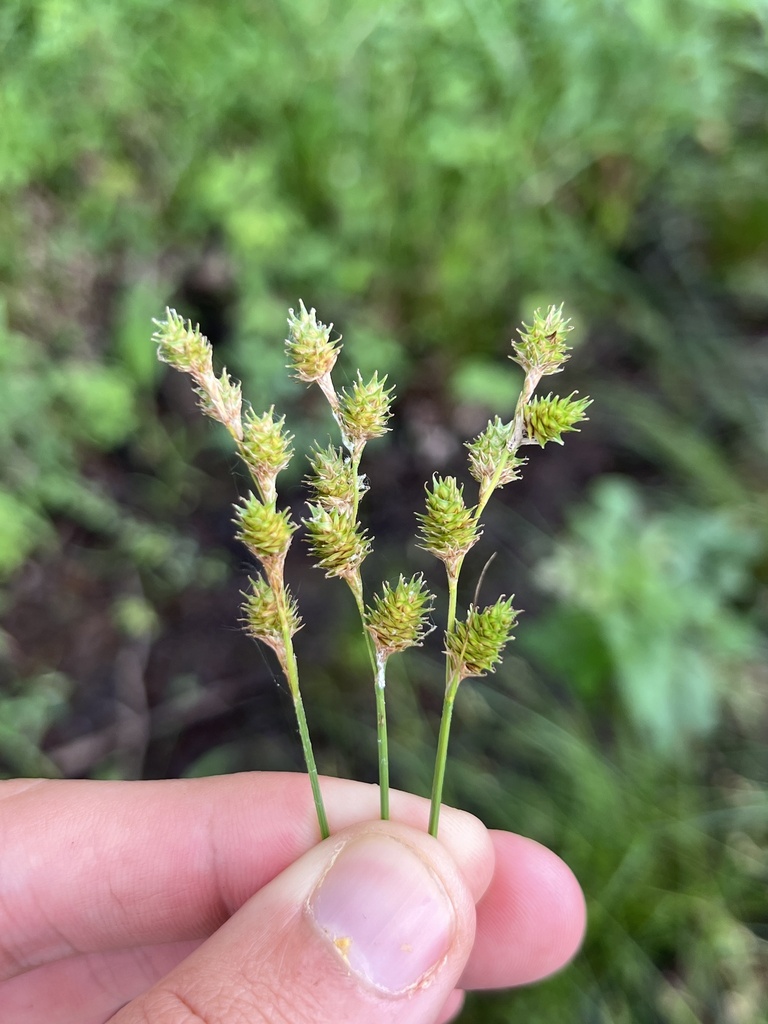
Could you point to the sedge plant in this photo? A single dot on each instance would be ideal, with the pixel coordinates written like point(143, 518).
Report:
point(397, 616)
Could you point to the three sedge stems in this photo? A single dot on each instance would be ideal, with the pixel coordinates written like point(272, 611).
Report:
point(378, 661)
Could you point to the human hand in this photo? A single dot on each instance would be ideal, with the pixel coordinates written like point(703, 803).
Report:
point(211, 900)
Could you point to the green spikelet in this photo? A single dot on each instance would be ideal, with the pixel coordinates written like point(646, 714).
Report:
point(309, 348)
point(398, 617)
point(263, 529)
point(447, 527)
point(365, 409)
point(546, 419)
point(337, 541)
point(542, 346)
point(474, 647)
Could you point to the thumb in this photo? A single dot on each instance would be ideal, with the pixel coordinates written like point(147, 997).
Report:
point(374, 924)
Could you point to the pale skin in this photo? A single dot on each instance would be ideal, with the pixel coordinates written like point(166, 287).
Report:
point(186, 902)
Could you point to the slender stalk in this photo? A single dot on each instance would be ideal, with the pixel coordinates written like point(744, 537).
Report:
point(453, 592)
point(378, 668)
point(381, 737)
point(291, 669)
point(442, 756)
point(309, 758)
point(356, 458)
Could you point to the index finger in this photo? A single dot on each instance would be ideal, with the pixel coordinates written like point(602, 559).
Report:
point(95, 866)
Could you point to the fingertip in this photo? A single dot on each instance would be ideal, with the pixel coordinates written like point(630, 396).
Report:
point(531, 920)
point(453, 1007)
point(470, 844)
point(463, 835)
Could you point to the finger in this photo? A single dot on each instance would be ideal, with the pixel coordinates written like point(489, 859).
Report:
point(531, 920)
point(453, 1007)
point(147, 863)
point(87, 989)
point(529, 923)
point(374, 924)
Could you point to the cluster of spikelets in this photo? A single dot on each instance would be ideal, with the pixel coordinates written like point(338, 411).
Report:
point(397, 616)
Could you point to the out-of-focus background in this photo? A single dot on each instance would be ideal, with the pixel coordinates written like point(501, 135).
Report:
point(426, 174)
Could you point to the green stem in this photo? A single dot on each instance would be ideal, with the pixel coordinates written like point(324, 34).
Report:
point(309, 758)
point(356, 586)
point(452, 682)
point(381, 737)
point(442, 756)
point(453, 592)
point(291, 669)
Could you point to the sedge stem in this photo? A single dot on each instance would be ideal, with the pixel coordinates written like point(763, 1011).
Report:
point(378, 667)
point(309, 758)
point(381, 737)
point(291, 670)
point(442, 756)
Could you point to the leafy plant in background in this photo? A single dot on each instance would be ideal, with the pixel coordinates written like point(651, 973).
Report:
point(656, 592)
point(397, 618)
point(448, 121)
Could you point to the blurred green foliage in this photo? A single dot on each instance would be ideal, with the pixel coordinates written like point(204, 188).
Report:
point(425, 174)
point(656, 594)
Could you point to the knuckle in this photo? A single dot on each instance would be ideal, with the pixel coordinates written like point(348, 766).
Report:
point(262, 1004)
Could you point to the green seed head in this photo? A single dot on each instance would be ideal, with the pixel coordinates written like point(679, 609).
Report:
point(546, 419)
point(542, 346)
point(308, 346)
point(261, 614)
point(490, 451)
point(266, 449)
point(181, 345)
point(365, 409)
point(185, 348)
point(263, 529)
point(448, 528)
point(332, 478)
point(474, 647)
point(337, 541)
point(398, 617)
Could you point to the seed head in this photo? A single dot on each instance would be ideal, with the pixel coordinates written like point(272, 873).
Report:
point(261, 614)
point(261, 617)
point(332, 478)
point(266, 449)
point(546, 419)
point(181, 345)
point(365, 409)
point(489, 451)
point(448, 528)
point(308, 346)
point(337, 541)
point(263, 529)
point(542, 346)
point(474, 647)
point(398, 617)
point(185, 348)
